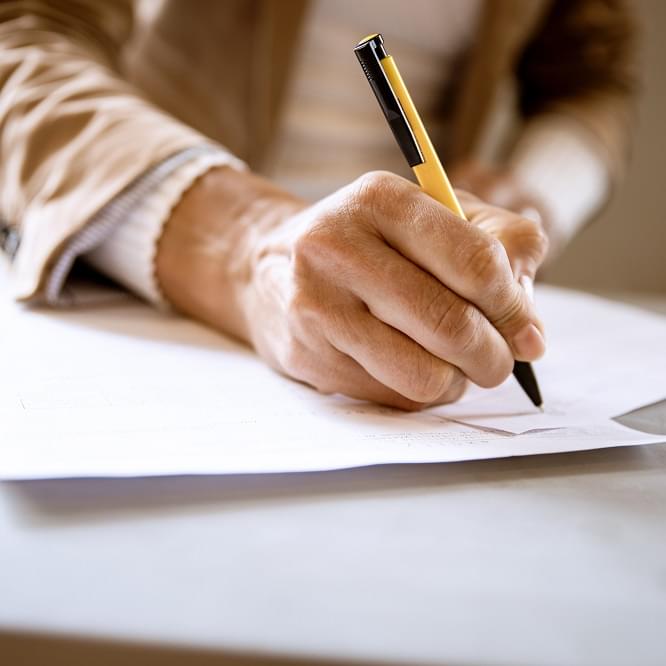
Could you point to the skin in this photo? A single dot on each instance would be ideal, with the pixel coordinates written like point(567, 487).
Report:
point(377, 292)
point(497, 187)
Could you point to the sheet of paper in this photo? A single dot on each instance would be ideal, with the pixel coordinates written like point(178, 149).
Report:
point(123, 390)
point(603, 359)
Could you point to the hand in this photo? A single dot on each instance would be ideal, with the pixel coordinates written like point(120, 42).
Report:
point(497, 187)
point(377, 291)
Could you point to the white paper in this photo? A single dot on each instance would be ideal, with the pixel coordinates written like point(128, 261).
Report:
point(122, 390)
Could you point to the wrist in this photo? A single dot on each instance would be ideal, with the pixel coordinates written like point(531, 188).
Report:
point(206, 254)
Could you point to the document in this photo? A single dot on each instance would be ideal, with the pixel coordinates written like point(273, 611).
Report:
point(119, 389)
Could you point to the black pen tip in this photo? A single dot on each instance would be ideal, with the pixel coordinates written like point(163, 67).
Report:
point(523, 372)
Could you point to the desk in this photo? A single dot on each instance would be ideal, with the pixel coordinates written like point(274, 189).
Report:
point(557, 559)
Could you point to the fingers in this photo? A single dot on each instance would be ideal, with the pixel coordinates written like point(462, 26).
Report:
point(525, 246)
point(330, 371)
point(468, 260)
point(407, 299)
point(392, 298)
point(395, 360)
point(522, 235)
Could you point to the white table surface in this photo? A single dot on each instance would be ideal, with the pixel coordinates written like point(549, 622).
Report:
point(557, 559)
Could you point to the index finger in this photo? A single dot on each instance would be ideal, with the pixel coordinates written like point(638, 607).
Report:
point(466, 259)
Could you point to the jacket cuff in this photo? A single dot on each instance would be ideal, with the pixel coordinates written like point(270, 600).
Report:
point(117, 211)
point(127, 254)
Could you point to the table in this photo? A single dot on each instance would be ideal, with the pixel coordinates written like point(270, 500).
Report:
point(557, 559)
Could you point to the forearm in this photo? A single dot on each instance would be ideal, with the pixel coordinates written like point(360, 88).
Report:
point(211, 241)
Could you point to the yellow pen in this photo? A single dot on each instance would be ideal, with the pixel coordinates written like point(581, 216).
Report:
point(410, 133)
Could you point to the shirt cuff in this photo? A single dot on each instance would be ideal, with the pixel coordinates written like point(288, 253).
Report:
point(127, 254)
point(558, 162)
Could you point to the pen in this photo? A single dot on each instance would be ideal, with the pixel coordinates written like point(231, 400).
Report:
point(410, 133)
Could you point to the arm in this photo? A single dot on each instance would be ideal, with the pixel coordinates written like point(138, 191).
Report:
point(575, 91)
point(580, 65)
point(73, 134)
point(362, 293)
point(378, 291)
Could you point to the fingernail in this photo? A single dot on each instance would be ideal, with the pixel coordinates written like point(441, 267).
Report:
point(528, 343)
point(527, 284)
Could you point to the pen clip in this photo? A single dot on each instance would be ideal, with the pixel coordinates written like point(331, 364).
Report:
point(369, 52)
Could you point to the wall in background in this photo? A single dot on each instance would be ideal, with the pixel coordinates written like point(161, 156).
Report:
point(625, 249)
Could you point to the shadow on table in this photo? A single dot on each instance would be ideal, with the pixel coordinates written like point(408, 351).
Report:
point(31, 649)
point(650, 418)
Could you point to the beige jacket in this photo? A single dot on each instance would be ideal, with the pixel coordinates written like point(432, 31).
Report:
point(82, 115)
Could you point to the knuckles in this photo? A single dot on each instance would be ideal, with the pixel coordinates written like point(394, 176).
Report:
point(304, 314)
point(334, 235)
point(487, 264)
point(312, 245)
point(372, 182)
point(528, 237)
point(428, 387)
point(454, 322)
point(330, 246)
point(377, 191)
point(458, 329)
point(535, 238)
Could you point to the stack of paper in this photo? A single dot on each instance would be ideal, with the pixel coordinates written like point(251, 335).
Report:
point(123, 390)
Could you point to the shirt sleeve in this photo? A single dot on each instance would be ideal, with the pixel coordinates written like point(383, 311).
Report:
point(121, 240)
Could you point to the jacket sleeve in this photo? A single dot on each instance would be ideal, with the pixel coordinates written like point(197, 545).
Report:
point(580, 64)
point(73, 133)
point(576, 95)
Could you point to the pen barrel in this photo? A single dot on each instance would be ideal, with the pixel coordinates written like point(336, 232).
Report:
point(433, 181)
point(431, 175)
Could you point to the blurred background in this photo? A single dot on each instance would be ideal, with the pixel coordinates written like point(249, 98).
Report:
point(625, 249)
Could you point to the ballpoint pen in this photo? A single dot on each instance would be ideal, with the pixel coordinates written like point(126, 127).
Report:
point(410, 133)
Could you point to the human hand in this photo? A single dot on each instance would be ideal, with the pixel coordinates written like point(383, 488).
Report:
point(497, 187)
point(377, 291)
